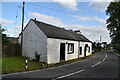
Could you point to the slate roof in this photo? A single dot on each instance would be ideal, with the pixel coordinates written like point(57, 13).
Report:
point(59, 33)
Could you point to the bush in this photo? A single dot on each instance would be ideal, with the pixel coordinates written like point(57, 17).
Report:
point(37, 56)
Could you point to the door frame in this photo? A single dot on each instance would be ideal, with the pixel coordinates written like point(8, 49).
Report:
point(62, 51)
point(85, 49)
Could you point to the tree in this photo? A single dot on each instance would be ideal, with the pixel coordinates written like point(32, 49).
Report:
point(113, 23)
point(4, 36)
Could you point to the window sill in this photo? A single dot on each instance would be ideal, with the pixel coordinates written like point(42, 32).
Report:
point(70, 52)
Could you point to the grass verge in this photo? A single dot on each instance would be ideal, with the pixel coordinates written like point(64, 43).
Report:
point(117, 52)
point(17, 64)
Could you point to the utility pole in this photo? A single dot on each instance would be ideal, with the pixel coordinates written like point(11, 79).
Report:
point(100, 39)
point(22, 26)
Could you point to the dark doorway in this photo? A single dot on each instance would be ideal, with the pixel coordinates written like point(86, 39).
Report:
point(62, 51)
point(85, 49)
point(80, 50)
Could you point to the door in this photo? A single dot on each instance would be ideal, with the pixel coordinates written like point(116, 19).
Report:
point(62, 51)
point(85, 49)
point(80, 50)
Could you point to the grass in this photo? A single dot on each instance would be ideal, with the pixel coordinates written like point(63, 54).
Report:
point(117, 52)
point(17, 64)
point(0, 65)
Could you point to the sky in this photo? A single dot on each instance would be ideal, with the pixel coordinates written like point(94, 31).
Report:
point(89, 17)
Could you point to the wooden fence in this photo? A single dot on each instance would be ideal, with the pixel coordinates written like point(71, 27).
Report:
point(11, 50)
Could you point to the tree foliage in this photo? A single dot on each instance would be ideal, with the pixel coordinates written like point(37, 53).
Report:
point(113, 22)
point(4, 36)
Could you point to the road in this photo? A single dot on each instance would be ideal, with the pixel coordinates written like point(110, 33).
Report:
point(102, 65)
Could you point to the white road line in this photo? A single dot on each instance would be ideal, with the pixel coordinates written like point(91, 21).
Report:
point(84, 60)
point(95, 64)
point(104, 59)
point(28, 71)
point(9, 74)
point(106, 55)
point(43, 69)
point(69, 74)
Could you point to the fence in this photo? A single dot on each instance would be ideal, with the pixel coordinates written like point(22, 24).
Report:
point(11, 50)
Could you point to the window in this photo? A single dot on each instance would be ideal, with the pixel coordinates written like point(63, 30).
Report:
point(70, 48)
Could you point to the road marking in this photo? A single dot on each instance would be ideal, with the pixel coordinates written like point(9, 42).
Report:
point(104, 59)
point(69, 74)
point(106, 55)
point(43, 69)
point(96, 64)
point(9, 74)
point(84, 60)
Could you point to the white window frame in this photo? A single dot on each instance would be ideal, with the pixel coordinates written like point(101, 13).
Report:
point(70, 48)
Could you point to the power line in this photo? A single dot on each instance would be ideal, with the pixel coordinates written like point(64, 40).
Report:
point(50, 8)
point(16, 21)
point(26, 14)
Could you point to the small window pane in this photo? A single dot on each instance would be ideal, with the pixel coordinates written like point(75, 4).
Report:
point(70, 48)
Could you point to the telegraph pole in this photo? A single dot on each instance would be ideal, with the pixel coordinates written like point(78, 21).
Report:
point(22, 26)
point(100, 39)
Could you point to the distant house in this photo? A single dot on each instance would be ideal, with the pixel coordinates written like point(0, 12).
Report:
point(53, 43)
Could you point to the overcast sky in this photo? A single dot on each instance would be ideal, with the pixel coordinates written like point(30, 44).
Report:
point(89, 17)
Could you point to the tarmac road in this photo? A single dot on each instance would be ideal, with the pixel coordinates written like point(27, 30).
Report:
point(102, 65)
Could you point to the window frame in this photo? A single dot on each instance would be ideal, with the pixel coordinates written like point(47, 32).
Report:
point(72, 48)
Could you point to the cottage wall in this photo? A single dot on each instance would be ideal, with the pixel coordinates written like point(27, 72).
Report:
point(53, 50)
point(82, 44)
point(34, 40)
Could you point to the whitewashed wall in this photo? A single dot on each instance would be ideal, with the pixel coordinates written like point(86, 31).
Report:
point(34, 40)
point(82, 44)
point(53, 50)
point(49, 48)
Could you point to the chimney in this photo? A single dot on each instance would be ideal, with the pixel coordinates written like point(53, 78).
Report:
point(77, 31)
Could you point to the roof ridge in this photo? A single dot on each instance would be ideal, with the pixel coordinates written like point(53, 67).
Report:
point(48, 24)
point(52, 31)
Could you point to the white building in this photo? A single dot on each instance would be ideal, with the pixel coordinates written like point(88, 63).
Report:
point(53, 43)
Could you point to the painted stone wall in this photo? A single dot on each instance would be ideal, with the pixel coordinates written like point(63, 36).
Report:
point(34, 40)
point(82, 44)
point(53, 50)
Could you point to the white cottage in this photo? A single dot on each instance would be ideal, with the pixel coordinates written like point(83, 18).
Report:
point(53, 43)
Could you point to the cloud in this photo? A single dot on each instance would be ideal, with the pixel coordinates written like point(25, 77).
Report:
point(5, 21)
point(103, 21)
point(100, 5)
point(92, 32)
point(14, 31)
point(47, 19)
point(71, 4)
point(86, 18)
